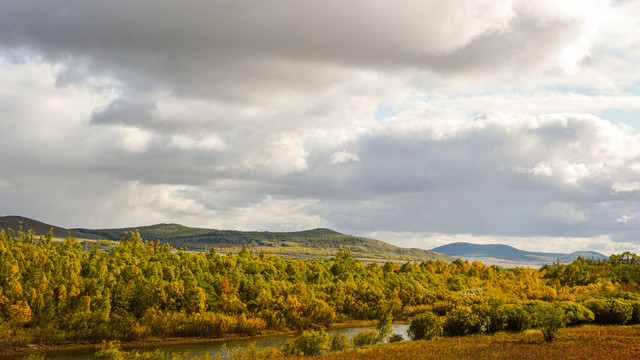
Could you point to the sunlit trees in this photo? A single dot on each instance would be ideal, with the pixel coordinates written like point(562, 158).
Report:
point(425, 326)
point(56, 290)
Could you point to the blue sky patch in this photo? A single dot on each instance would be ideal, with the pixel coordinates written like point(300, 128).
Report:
point(385, 111)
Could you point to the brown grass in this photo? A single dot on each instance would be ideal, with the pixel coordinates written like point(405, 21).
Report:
point(589, 342)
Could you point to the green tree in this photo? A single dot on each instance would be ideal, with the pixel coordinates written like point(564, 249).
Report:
point(461, 321)
point(550, 319)
point(312, 342)
point(425, 326)
point(384, 326)
point(366, 337)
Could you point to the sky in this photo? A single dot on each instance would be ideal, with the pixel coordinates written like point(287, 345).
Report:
point(418, 123)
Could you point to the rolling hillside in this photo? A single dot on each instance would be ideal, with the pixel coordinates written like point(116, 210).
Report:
point(505, 254)
point(300, 244)
point(309, 243)
point(40, 228)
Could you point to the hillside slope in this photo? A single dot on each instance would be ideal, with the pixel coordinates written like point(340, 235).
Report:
point(39, 228)
point(300, 244)
point(309, 243)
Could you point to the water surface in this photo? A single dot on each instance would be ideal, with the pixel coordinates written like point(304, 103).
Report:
point(213, 347)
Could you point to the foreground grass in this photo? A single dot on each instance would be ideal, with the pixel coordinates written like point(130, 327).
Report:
point(589, 342)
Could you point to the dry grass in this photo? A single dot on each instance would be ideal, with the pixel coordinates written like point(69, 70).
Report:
point(589, 342)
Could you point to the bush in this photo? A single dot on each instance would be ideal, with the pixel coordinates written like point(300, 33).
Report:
point(250, 352)
point(312, 342)
point(491, 315)
point(635, 315)
point(339, 342)
point(384, 326)
point(576, 314)
point(366, 337)
point(442, 308)
point(461, 321)
point(517, 318)
point(395, 338)
point(610, 311)
point(124, 326)
point(109, 351)
point(550, 319)
point(425, 326)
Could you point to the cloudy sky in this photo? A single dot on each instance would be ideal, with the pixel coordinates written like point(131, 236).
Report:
point(414, 122)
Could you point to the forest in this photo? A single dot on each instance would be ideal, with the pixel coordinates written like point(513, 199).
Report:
point(55, 293)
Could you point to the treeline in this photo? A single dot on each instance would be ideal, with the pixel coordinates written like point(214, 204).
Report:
point(55, 292)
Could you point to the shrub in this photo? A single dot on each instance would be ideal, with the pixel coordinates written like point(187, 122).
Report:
point(610, 311)
point(461, 321)
point(124, 326)
point(109, 351)
point(312, 342)
point(248, 353)
point(635, 314)
point(339, 342)
point(366, 337)
point(19, 314)
point(425, 326)
point(395, 338)
point(384, 326)
point(517, 318)
point(442, 308)
point(550, 319)
point(576, 314)
point(491, 316)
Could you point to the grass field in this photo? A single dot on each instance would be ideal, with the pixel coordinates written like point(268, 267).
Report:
point(588, 342)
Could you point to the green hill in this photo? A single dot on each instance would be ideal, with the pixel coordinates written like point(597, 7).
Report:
point(299, 244)
point(40, 228)
point(309, 243)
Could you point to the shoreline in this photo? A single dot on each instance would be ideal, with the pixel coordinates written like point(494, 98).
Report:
point(151, 342)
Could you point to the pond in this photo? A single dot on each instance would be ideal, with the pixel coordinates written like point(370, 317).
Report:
point(211, 347)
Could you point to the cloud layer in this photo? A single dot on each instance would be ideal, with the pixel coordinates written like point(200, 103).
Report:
point(479, 120)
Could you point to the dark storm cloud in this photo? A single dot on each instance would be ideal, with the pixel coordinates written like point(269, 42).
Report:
point(234, 50)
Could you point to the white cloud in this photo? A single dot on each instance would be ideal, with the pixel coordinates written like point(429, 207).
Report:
point(625, 219)
point(625, 186)
point(504, 118)
point(134, 140)
point(286, 154)
point(344, 157)
point(211, 142)
point(542, 168)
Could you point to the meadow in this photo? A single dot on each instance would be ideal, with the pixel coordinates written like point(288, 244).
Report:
point(587, 342)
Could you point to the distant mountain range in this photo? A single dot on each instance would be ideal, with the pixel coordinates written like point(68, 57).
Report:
point(300, 244)
point(505, 255)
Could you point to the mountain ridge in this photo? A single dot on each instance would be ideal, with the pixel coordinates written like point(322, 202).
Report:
point(319, 242)
point(509, 253)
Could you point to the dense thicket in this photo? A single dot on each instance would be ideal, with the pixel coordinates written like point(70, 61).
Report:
point(53, 292)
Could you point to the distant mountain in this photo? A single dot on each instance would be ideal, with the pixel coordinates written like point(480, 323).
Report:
point(505, 254)
point(39, 228)
point(309, 243)
point(299, 244)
